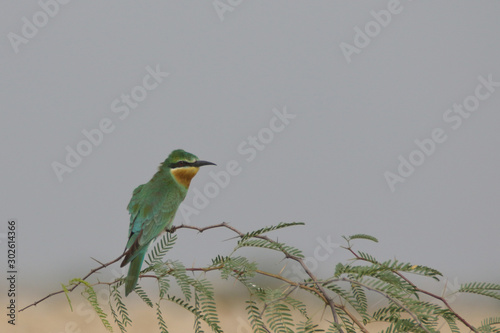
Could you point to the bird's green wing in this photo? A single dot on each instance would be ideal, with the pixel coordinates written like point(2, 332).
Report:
point(152, 209)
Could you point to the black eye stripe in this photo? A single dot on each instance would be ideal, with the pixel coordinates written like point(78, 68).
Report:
point(179, 164)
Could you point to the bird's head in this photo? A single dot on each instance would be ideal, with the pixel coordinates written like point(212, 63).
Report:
point(183, 166)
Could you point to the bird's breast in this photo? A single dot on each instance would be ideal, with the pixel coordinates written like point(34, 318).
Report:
point(184, 175)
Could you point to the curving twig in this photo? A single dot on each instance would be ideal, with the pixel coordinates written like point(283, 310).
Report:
point(77, 284)
point(104, 265)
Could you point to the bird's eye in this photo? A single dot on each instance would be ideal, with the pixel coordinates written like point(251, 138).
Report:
point(181, 163)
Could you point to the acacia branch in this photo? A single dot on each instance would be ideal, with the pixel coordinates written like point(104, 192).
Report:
point(328, 300)
point(321, 291)
point(440, 298)
point(315, 286)
point(416, 288)
point(386, 295)
point(76, 284)
point(112, 262)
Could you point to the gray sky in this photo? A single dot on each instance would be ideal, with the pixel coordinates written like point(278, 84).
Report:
point(355, 85)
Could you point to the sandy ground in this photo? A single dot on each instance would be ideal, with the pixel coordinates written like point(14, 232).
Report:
point(55, 316)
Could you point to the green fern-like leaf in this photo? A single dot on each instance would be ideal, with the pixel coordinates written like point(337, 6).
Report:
point(163, 285)
point(197, 322)
point(281, 225)
point(264, 243)
point(162, 325)
point(279, 318)
point(334, 328)
point(395, 283)
point(142, 294)
point(183, 280)
point(361, 236)
point(182, 303)
point(206, 301)
point(66, 292)
point(342, 293)
point(255, 318)
point(297, 305)
point(91, 296)
point(219, 260)
point(391, 313)
point(161, 247)
point(425, 271)
point(117, 320)
point(368, 257)
point(488, 325)
point(451, 321)
point(179, 301)
point(339, 269)
point(346, 320)
point(480, 285)
point(203, 286)
point(361, 303)
point(308, 327)
point(124, 319)
point(481, 288)
point(397, 266)
point(407, 325)
point(239, 268)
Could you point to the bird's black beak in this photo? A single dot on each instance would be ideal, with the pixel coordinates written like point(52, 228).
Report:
point(202, 163)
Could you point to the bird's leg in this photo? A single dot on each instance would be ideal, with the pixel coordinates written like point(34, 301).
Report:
point(171, 229)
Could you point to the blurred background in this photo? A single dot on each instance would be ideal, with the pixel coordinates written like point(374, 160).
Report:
point(379, 118)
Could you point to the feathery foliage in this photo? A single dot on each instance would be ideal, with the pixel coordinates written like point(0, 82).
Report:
point(308, 327)
point(255, 317)
point(267, 244)
point(161, 248)
point(142, 294)
point(66, 293)
point(481, 288)
point(346, 292)
point(122, 319)
point(490, 325)
point(91, 296)
point(161, 322)
point(265, 230)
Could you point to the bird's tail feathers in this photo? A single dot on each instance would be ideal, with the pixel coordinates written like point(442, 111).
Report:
point(134, 271)
point(133, 249)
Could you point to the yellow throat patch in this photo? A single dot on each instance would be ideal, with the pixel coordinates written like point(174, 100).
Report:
point(184, 175)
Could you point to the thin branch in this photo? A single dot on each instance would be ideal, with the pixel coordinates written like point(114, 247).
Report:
point(442, 299)
point(329, 300)
point(223, 224)
point(76, 285)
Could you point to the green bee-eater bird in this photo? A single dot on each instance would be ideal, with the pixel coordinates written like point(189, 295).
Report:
point(153, 207)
